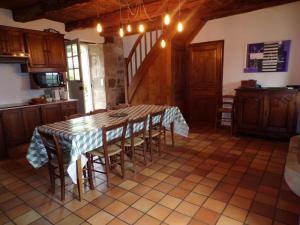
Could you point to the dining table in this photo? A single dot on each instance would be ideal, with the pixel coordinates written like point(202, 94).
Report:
point(81, 135)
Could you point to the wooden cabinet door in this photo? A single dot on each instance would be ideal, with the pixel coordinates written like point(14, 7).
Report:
point(13, 127)
point(280, 111)
point(3, 152)
point(51, 113)
point(3, 45)
point(37, 50)
point(32, 119)
point(249, 110)
point(55, 51)
point(15, 41)
point(68, 109)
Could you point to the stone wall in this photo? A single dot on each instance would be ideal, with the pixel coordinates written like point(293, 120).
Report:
point(114, 72)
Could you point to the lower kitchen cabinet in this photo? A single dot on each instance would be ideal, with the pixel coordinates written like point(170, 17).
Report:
point(13, 127)
point(51, 113)
point(32, 119)
point(68, 109)
point(3, 152)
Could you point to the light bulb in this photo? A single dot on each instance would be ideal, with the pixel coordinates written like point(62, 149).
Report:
point(180, 26)
point(99, 28)
point(129, 29)
point(121, 32)
point(167, 19)
point(141, 28)
point(163, 43)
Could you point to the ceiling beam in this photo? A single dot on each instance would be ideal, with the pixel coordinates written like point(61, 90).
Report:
point(42, 8)
point(154, 10)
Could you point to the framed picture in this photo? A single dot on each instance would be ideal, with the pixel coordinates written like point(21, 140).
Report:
point(268, 57)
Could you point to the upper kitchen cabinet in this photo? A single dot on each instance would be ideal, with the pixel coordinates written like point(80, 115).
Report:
point(47, 52)
point(11, 42)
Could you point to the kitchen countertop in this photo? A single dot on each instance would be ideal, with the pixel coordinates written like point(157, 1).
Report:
point(26, 104)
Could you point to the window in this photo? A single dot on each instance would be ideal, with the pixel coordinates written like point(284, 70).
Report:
point(73, 62)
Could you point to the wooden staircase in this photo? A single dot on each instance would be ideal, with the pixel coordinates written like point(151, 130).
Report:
point(138, 60)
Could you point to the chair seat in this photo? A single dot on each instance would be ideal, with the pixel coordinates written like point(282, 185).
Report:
point(225, 110)
point(155, 133)
point(111, 150)
point(136, 142)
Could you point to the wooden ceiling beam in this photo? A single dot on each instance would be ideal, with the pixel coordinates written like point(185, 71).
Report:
point(41, 9)
point(154, 10)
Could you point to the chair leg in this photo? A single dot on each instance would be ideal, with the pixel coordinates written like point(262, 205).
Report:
point(90, 174)
point(145, 151)
point(133, 159)
point(62, 187)
point(122, 163)
point(172, 134)
point(150, 148)
point(159, 145)
point(52, 179)
point(106, 158)
point(164, 133)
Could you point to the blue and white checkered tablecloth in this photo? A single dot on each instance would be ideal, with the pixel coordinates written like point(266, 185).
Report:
point(84, 134)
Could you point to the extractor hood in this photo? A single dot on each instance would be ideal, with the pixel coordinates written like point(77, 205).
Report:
point(14, 58)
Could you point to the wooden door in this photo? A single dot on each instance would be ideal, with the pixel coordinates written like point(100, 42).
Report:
point(13, 127)
point(280, 111)
point(204, 83)
point(55, 51)
point(51, 113)
point(15, 41)
point(249, 108)
point(37, 50)
point(32, 119)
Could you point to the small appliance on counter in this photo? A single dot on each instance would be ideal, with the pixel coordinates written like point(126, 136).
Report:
point(55, 95)
point(47, 80)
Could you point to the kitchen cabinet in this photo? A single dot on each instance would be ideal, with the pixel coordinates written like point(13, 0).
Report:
point(68, 109)
point(51, 113)
point(270, 112)
point(3, 152)
point(32, 119)
point(13, 127)
point(11, 42)
point(47, 52)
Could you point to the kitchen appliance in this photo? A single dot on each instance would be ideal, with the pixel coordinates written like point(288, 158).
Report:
point(47, 80)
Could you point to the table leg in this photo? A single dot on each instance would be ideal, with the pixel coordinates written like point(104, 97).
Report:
point(79, 178)
point(172, 133)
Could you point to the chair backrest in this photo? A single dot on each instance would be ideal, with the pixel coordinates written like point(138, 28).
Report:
point(52, 147)
point(227, 101)
point(98, 111)
point(114, 133)
point(138, 127)
point(74, 116)
point(156, 120)
point(120, 106)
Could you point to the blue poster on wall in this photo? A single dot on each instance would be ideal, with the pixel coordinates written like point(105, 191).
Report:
point(268, 57)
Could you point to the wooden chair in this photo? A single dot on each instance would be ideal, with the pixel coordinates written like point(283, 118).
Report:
point(98, 111)
point(57, 163)
point(136, 142)
point(112, 150)
point(225, 113)
point(172, 134)
point(155, 131)
point(74, 116)
point(120, 106)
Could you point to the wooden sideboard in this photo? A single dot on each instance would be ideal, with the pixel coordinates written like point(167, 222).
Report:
point(18, 123)
point(269, 112)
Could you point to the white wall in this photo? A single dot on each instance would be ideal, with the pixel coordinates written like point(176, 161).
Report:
point(14, 85)
point(270, 24)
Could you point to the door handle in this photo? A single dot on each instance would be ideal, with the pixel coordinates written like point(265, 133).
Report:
point(81, 88)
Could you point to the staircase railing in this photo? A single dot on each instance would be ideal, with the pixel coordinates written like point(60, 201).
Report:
point(138, 53)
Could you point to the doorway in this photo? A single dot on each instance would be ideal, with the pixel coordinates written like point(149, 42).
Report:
point(204, 85)
point(85, 75)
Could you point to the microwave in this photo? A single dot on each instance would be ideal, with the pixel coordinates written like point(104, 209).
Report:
point(47, 80)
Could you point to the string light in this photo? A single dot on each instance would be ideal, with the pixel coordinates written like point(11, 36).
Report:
point(141, 28)
point(99, 27)
point(163, 43)
point(179, 26)
point(121, 32)
point(167, 19)
point(129, 29)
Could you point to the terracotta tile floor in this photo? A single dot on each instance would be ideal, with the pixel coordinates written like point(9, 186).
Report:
point(208, 178)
